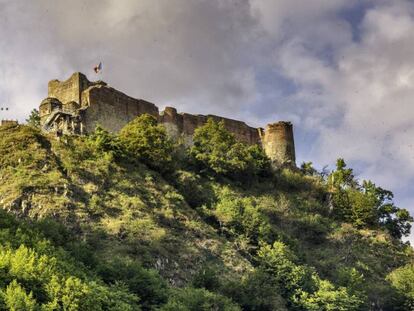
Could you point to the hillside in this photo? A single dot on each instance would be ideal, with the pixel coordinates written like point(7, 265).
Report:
point(85, 226)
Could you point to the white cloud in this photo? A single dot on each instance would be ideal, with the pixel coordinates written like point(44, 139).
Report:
point(191, 54)
point(214, 56)
point(371, 83)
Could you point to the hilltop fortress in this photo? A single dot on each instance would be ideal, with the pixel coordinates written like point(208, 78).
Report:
point(77, 105)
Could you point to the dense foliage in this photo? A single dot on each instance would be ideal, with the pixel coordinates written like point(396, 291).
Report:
point(147, 141)
point(134, 222)
point(217, 150)
point(366, 205)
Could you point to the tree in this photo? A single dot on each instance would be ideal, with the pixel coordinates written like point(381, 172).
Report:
point(259, 162)
point(217, 150)
point(342, 177)
point(214, 148)
point(301, 285)
point(198, 299)
point(17, 299)
point(329, 298)
point(147, 141)
point(104, 141)
point(34, 118)
point(366, 205)
point(308, 169)
point(402, 279)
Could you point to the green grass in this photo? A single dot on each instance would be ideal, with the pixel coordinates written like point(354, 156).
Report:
point(178, 223)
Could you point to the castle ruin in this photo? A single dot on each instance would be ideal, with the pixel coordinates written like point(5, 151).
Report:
point(77, 105)
point(9, 122)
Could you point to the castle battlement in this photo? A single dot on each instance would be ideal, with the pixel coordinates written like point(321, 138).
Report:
point(77, 105)
point(9, 122)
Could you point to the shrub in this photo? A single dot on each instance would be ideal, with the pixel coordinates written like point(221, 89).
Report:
point(17, 299)
point(402, 279)
point(217, 150)
point(147, 141)
point(207, 277)
point(103, 141)
point(256, 291)
point(301, 285)
point(147, 284)
point(192, 299)
point(241, 216)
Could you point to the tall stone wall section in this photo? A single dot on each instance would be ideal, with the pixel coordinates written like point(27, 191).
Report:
point(92, 103)
point(112, 109)
point(71, 89)
point(184, 124)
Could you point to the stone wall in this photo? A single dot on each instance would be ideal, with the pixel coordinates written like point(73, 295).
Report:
point(71, 89)
point(184, 124)
point(278, 143)
point(8, 123)
point(112, 109)
point(91, 103)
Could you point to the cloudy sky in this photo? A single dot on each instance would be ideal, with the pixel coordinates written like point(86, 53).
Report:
point(341, 70)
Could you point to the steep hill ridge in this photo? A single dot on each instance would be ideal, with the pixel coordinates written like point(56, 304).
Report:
point(195, 230)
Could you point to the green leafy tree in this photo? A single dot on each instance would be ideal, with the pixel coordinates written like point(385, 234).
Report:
point(259, 162)
point(402, 279)
point(104, 141)
point(366, 205)
point(279, 261)
point(147, 284)
point(308, 169)
point(34, 118)
point(342, 177)
point(301, 285)
point(256, 291)
point(217, 150)
point(147, 141)
point(241, 217)
point(329, 298)
point(198, 299)
point(16, 298)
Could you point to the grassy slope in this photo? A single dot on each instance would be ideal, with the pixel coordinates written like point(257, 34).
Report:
point(130, 212)
point(126, 211)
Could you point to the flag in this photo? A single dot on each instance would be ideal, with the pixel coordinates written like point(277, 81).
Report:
point(98, 68)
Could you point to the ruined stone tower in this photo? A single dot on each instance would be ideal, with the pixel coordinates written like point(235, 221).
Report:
point(77, 105)
point(278, 143)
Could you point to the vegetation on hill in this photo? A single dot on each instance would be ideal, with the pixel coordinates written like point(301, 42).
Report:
point(136, 222)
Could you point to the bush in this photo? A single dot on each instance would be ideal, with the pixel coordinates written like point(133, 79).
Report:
point(103, 141)
point(16, 298)
point(366, 205)
point(207, 277)
point(256, 291)
point(241, 216)
point(217, 150)
point(192, 299)
point(147, 284)
point(402, 279)
point(301, 285)
point(195, 190)
point(146, 140)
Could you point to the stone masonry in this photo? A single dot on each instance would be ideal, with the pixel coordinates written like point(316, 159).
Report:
point(76, 106)
point(8, 123)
